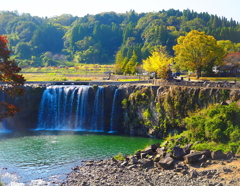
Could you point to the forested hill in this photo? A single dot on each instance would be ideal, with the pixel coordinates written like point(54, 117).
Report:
point(68, 40)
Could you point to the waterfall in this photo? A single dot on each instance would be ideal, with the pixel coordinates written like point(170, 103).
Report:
point(98, 111)
point(71, 108)
point(82, 116)
point(116, 112)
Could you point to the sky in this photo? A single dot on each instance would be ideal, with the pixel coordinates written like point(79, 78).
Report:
point(51, 8)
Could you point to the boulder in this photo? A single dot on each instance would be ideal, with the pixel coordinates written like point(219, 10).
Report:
point(229, 155)
point(147, 164)
point(194, 157)
point(216, 155)
point(203, 158)
point(158, 157)
point(161, 151)
point(138, 154)
point(166, 163)
point(148, 150)
point(180, 167)
point(155, 146)
point(187, 148)
point(178, 153)
point(143, 155)
point(133, 161)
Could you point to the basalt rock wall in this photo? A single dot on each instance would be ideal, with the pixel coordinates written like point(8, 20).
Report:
point(28, 105)
point(159, 110)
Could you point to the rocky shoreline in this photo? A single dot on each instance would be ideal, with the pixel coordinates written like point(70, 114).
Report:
point(154, 166)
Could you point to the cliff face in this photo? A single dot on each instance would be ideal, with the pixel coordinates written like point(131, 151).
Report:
point(157, 111)
point(138, 110)
point(29, 103)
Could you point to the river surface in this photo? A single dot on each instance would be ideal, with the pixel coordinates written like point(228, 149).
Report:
point(50, 155)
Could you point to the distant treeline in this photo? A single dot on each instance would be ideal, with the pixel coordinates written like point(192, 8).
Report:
point(68, 40)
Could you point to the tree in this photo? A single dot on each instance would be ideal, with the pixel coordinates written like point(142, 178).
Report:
point(233, 59)
point(158, 62)
point(197, 51)
point(9, 76)
point(227, 45)
point(120, 63)
point(131, 64)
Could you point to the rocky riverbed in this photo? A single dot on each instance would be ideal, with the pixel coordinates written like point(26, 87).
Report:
point(149, 167)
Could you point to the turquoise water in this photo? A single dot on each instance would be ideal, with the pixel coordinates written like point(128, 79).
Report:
point(48, 155)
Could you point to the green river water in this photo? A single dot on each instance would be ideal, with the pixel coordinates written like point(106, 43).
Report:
point(51, 155)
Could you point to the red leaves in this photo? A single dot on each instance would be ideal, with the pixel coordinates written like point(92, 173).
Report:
point(7, 110)
point(4, 52)
point(232, 58)
point(9, 76)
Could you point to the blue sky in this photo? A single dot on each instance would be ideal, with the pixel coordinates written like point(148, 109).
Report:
point(50, 8)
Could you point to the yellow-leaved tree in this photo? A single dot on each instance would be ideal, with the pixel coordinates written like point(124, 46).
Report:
point(197, 51)
point(159, 62)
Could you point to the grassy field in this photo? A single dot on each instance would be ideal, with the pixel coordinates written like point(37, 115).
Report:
point(56, 77)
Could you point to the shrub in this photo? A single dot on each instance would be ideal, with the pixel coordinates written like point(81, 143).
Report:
point(218, 123)
point(119, 157)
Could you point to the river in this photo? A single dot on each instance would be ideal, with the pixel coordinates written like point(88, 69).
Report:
point(50, 155)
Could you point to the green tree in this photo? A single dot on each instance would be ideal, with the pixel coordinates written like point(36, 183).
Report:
point(120, 63)
point(196, 51)
point(23, 50)
point(131, 65)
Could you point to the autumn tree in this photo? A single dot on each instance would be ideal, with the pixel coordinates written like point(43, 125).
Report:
point(158, 62)
point(233, 59)
point(197, 51)
point(11, 80)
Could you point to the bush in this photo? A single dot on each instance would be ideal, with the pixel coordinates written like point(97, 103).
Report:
point(119, 157)
point(235, 135)
point(218, 123)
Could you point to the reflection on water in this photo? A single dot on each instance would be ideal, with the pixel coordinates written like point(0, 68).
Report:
point(40, 155)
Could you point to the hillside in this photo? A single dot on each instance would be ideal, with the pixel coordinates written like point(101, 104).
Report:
point(69, 40)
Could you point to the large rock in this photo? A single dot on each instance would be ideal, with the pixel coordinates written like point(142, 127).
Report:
point(161, 151)
point(216, 155)
point(155, 146)
point(158, 157)
point(187, 148)
point(195, 157)
point(166, 163)
point(149, 150)
point(147, 164)
point(178, 153)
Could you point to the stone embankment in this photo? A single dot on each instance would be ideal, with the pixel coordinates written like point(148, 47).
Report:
point(155, 165)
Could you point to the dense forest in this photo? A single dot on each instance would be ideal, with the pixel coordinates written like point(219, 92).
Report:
point(106, 37)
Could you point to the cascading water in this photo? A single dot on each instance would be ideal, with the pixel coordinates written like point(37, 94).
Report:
point(72, 108)
point(116, 112)
point(98, 111)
